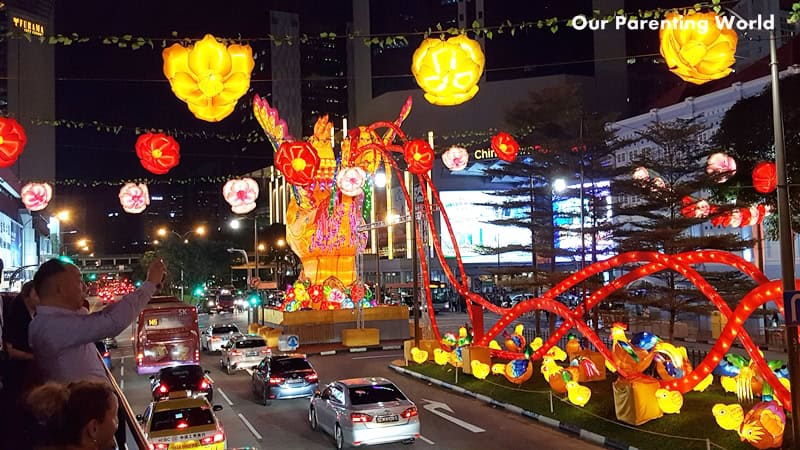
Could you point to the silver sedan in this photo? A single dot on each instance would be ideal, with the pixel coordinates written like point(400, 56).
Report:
point(364, 411)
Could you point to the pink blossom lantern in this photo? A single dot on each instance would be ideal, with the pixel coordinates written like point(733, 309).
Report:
point(455, 158)
point(241, 194)
point(641, 174)
point(36, 196)
point(134, 198)
point(722, 165)
point(350, 181)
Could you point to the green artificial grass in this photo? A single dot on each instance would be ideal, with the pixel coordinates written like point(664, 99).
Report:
point(694, 421)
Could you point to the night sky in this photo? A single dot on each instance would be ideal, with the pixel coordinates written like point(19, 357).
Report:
point(125, 87)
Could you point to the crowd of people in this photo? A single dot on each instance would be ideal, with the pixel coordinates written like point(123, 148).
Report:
point(55, 390)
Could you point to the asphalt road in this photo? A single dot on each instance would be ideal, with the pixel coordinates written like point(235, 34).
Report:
point(285, 423)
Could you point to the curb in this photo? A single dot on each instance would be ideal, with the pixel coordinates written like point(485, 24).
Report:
point(352, 350)
point(564, 427)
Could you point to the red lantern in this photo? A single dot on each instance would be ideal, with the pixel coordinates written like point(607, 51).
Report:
point(298, 162)
point(765, 177)
point(419, 156)
point(158, 152)
point(505, 146)
point(36, 196)
point(12, 141)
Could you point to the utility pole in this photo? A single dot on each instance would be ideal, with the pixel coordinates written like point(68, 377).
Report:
point(414, 259)
point(785, 236)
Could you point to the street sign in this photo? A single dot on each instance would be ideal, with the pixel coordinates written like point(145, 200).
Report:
point(791, 307)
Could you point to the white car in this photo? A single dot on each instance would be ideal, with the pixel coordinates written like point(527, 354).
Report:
point(215, 337)
point(364, 411)
point(242, 352)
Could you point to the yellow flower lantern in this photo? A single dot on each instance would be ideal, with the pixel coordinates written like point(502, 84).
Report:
point(448, 71)
point(696, 48)
point(209, 77)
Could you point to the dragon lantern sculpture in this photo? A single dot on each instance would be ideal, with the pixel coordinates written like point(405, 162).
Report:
point(331, 194)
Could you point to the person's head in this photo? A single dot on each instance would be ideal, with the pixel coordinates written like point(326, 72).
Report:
point(59, 283)
point(81, 415)
point(29, 296)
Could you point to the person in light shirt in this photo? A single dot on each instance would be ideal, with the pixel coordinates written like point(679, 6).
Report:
point(62, 334)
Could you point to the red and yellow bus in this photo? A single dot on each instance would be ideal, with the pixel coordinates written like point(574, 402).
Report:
point(166, 334)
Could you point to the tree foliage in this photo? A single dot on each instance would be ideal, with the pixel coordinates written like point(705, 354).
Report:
point(200, 260)
point(746, 133)
point(675, 155)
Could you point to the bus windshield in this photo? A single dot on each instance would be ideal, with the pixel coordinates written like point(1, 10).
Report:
point(167, 319)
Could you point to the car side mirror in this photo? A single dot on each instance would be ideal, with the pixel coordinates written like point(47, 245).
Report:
point(217, 407)
point(317, 394)
point(139, 417)
point(207, 372)
point(152, 377)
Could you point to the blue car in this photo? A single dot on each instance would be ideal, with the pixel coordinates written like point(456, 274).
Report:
point(101, 347)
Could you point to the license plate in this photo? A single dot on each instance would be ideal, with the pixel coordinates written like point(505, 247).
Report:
point(294, 380)
point(385, 419)
point(252, 353)
point(185, 445)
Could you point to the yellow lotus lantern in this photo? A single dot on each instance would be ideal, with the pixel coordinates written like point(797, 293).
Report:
point(696, 48)
point(209, 77)
point(448, 71)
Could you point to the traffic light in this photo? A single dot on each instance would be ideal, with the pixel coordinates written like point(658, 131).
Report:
point(254, 300)
point(92, 276)
point(198, 291)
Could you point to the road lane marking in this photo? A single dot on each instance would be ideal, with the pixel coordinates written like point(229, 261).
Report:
point(392, 347)
point(225, 396)
point(427, 440)
point(122, 369)
point(328, 353)
point(249, 371)
point(209, 377)
point(121, 385)
point(250, 427)
point(358, 350)
point(434, 407)
point(379, 356)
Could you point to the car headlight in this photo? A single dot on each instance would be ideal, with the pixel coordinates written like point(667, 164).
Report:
point(446, 305)
point(210, 303)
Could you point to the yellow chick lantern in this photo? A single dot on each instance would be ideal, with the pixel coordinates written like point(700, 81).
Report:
point(448, 71)
point(209, 76)
point(696, 48)
point(728, 417)
point(441, 357)
point(419, 356)
point(670, 402)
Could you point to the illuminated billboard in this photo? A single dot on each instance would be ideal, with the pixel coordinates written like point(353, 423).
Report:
point(567, 219)
point(470, 220)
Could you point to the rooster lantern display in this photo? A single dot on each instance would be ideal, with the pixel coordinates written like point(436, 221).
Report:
point(330, 193)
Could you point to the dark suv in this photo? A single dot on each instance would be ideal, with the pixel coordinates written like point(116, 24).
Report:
point(181, 378)
point(284, 376)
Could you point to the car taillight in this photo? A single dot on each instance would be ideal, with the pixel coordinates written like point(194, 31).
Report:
point(266, 351)
point(235, 353)
point(204, 384)
point(219, 437)
point(159, 446)
point(410, 412)
point(139, 358)
point(276, 380)
point(163, 389)
point(312, 377)
point(106, 354)
point(214, 338)
point(360, 418)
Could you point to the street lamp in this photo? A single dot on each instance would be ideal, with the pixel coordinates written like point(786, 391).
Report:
point(200, 230)
point(236, 224)
point(280, 243)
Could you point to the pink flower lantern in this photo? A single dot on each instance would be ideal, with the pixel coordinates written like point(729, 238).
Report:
point(350, 181)
point(134, 198)
point(641, 174)
point(455, 158)
point(241, 194)
point(721, 164)
point(36, 196)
